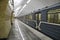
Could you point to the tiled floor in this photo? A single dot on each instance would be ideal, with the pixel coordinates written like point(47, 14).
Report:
point(21, 32)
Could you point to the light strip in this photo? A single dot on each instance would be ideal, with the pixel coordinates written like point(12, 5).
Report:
point(28, 1)
point(19, 29)
point(22, 9)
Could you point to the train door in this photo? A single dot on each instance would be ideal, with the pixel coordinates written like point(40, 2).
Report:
point(38, 19)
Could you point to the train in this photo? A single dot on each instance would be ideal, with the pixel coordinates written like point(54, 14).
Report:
point(45, 20)
point(49, 14)
point(6, 15)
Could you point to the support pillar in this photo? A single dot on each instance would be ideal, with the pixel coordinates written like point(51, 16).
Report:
point(4, 19)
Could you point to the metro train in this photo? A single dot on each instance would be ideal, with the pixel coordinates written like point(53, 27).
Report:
point(6, 15)
point(50, 15)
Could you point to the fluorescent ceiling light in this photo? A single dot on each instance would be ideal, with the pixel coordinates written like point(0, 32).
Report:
point(16, 11)
point(28, 1)
point(22, 9)
point(18, 8)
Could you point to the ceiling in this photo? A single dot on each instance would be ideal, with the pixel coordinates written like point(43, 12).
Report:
point(32, 5)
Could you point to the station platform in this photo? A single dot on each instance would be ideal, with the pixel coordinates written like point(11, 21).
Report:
point(21, 31)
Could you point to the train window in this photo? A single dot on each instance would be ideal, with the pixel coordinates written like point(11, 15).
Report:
point(30, 17)
point(26, 17)
point(54, 16)
point(59, 18)
point(38, 16)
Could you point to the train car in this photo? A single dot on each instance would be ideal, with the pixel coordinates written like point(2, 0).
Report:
point(46, 20)
point(32, 19)
point(49, 14)
point(5, 19)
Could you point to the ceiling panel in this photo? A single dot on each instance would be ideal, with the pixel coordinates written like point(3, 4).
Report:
point(37, 4)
